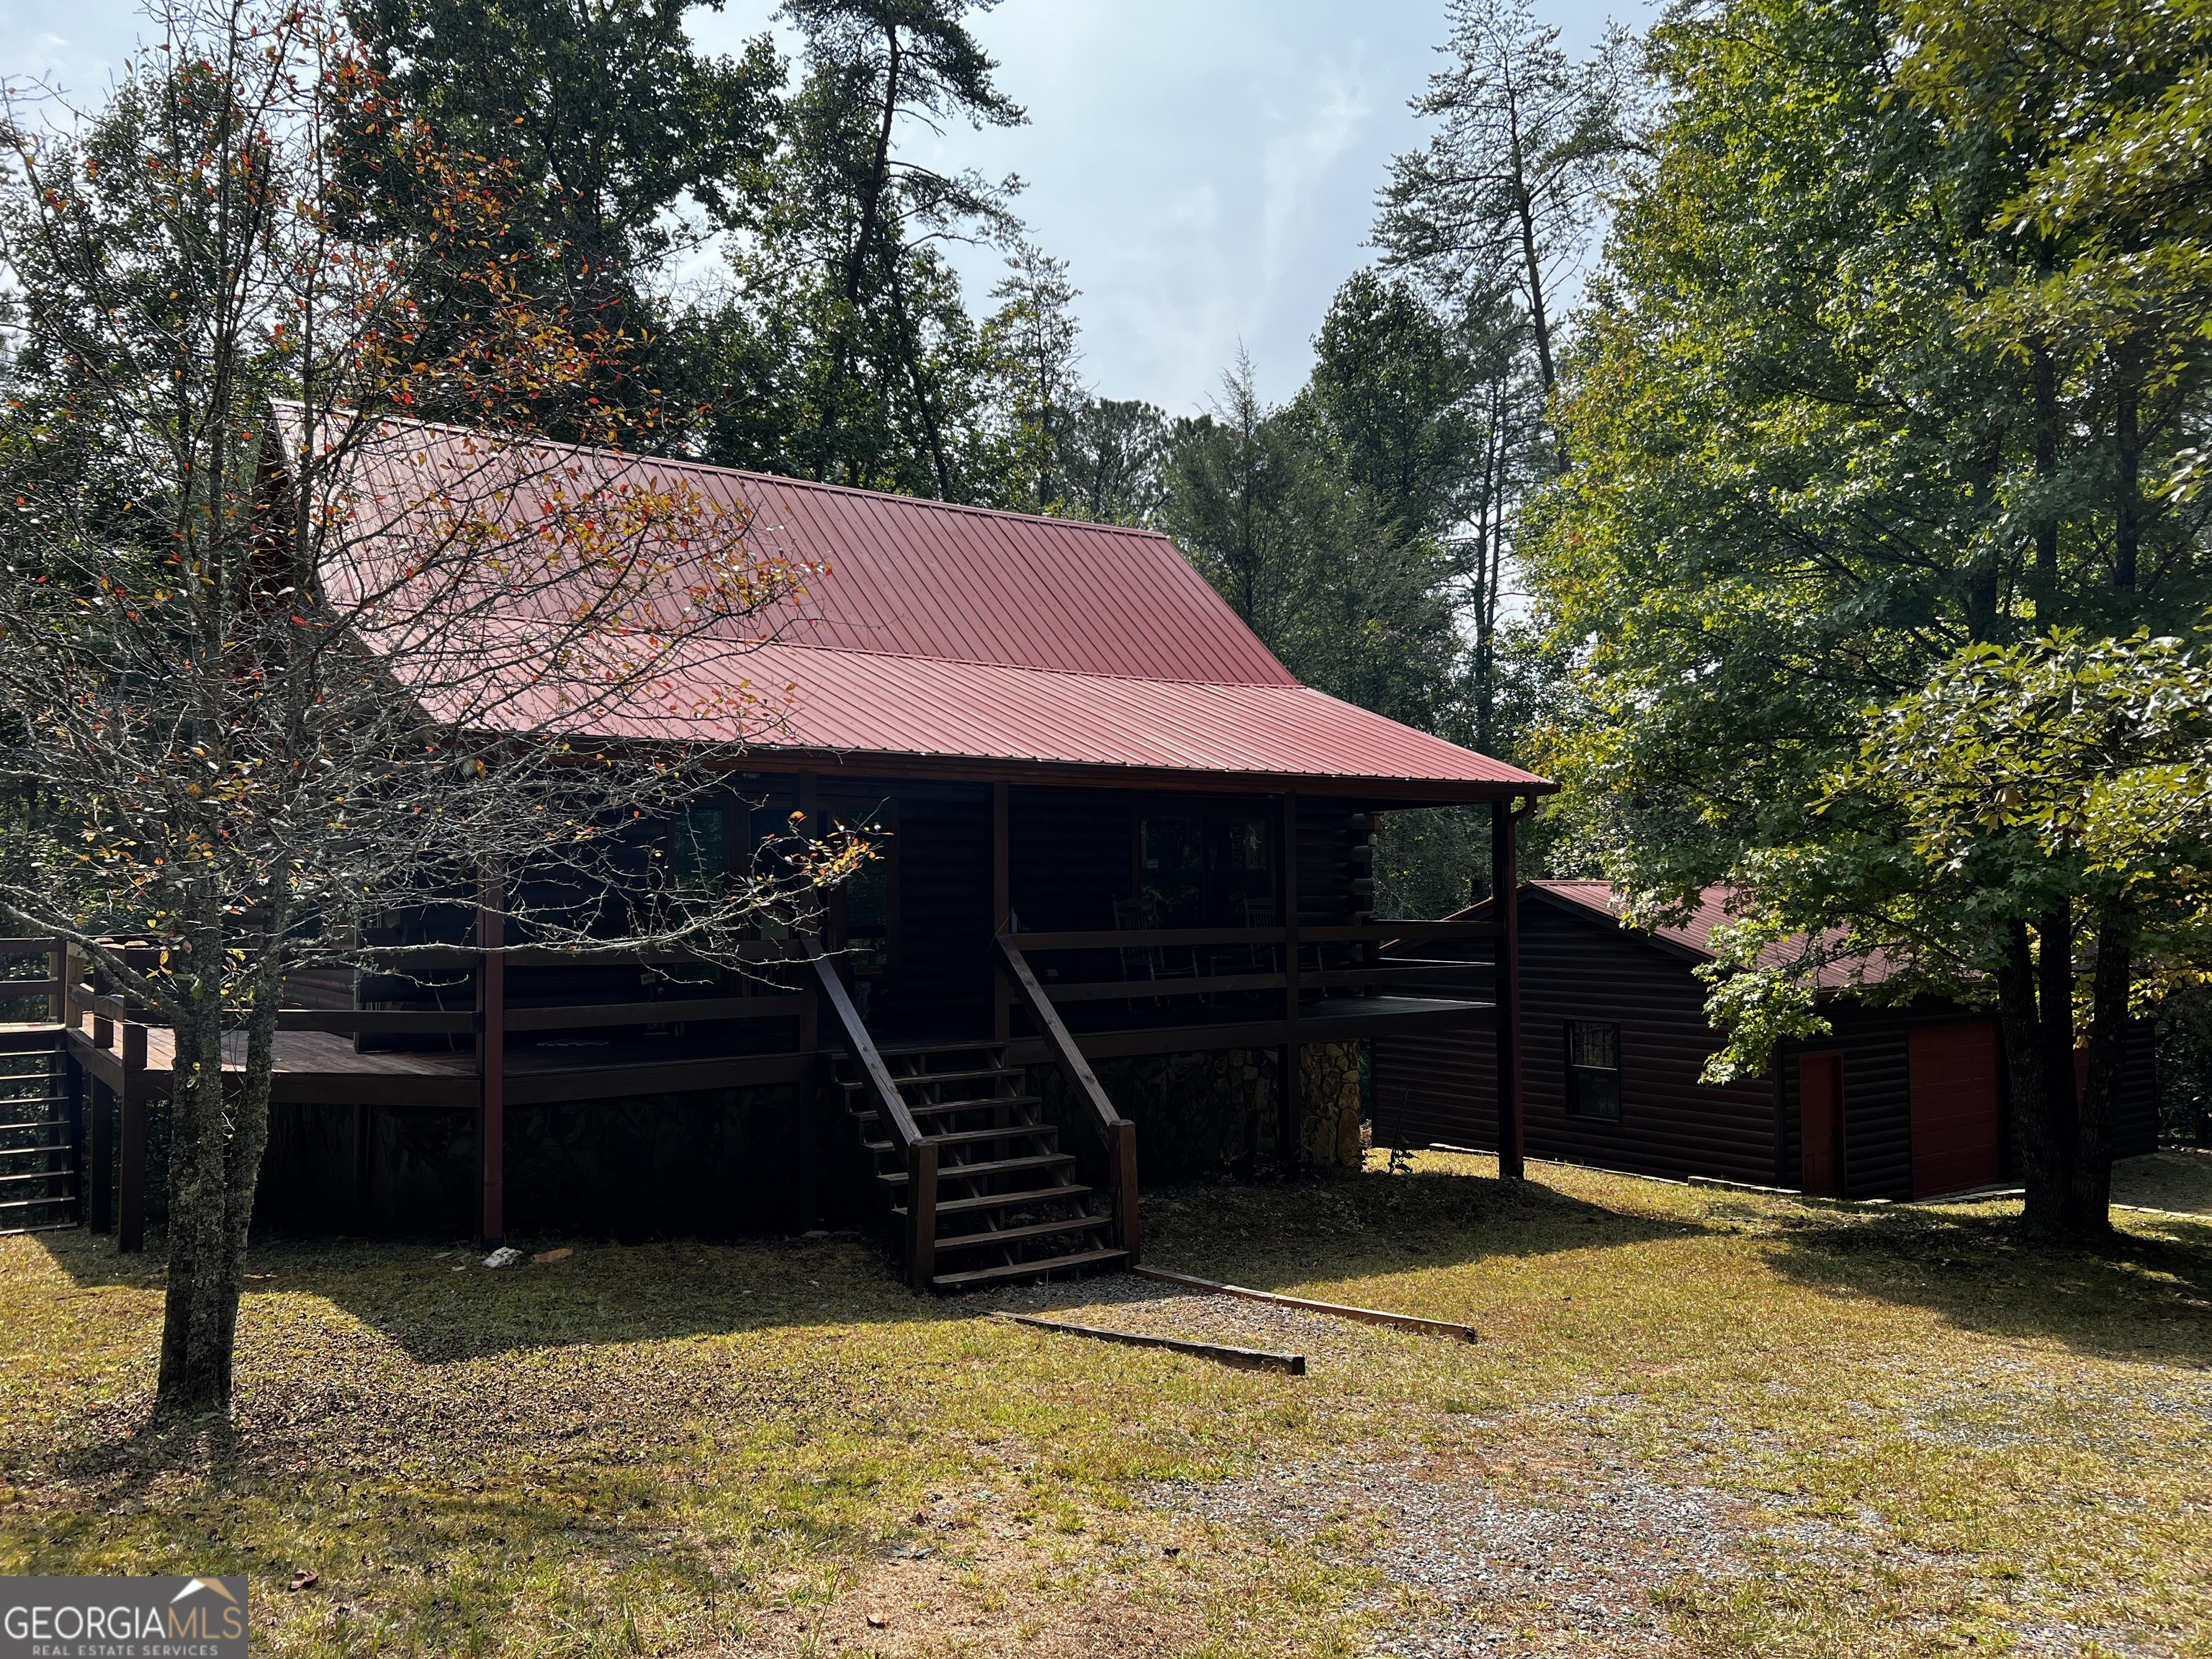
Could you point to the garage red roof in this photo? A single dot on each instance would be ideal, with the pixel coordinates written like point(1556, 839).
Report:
point(964, 635)
point(1694, 934)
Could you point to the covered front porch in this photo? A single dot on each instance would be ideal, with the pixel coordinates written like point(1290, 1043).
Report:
point(901, 1057)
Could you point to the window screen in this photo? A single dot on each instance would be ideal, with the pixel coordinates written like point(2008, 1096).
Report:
point(1594, 1070)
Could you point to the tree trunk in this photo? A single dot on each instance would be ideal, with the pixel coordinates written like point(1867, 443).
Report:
point(202, 1289)
point(214, 1164)
point(2043, 1157)
point(2108, 1029)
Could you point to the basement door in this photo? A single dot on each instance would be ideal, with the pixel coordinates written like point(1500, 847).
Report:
point(1820, 1125)
point(1952, 1073)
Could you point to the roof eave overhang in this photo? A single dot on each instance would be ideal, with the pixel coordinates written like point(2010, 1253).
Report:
point(1383, 791)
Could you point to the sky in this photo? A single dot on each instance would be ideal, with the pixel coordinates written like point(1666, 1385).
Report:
point(1208, 168)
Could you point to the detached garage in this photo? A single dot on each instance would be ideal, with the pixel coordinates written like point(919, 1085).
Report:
point(1899, 1102)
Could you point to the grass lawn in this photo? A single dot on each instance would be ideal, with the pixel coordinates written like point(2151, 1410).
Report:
point(1699, 1421)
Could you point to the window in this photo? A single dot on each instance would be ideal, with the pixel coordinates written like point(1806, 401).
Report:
point(1201, 871)
point(1593, 1070)
point(698, 845)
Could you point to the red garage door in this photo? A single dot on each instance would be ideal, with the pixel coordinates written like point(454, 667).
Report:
point(1954, 1107)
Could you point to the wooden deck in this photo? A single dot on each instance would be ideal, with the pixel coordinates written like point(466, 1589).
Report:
point(1285, 987)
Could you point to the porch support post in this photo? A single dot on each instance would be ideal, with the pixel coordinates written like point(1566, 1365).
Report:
point(97, 1173)
point(1291, 1056)
point(130, 1197)
point(1002, 902)
point(491, 1058)
point(1505, 891)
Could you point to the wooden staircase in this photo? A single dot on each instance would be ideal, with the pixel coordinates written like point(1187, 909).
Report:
point(1007, 1205)
point(972, 1175)
point(39, 1189)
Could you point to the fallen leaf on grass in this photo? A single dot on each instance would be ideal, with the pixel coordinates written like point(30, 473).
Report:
point(560, 1255)
point(876, 1621)
point(305, 1579)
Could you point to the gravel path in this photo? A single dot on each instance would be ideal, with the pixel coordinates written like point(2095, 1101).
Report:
point(1470, 1570)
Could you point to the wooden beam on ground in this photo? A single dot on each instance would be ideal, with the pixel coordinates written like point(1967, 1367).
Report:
point(1252, 1359)
point(1336, 1309)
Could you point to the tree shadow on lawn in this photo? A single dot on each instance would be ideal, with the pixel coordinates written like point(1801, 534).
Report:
point(2145, 1296)
point(1373, 1225)
point(436, 1555)
point(439, 1305)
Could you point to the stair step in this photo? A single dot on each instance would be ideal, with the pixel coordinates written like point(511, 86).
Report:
point(975, 1278)
point(33, 1203)
point(867, 1115)
point(1082, 1223)
point(969, 1137)
point(994, 1167)
point(998, 1200)
point(61, 1175)
point(904, 1050)
point(910, 1079)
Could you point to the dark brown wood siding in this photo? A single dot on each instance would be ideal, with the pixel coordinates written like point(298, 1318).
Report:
point(1442, 1088)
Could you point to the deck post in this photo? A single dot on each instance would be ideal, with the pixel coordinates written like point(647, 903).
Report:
point(1002, 902)
point(921, 1213)
point(1290, 1057)
point(1505, 891)
point(1122, 1158)
point(103, 1029)
point(491, 1058)
point(131, 1199)
point(97, 1172)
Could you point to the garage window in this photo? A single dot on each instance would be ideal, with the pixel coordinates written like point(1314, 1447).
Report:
point(1594, 1070)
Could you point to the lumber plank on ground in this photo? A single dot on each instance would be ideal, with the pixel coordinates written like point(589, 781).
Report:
point(1257, 1359)
point(1337, 1309)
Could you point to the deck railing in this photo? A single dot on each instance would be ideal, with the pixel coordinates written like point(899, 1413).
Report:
point(1118, 1133)
point(1371, 962)
point(917, 1153)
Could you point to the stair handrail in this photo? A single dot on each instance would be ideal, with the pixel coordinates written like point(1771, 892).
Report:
point(1118, 1133)
point(903, 1129)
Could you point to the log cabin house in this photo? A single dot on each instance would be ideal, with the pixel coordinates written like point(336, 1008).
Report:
point(1115, 826)
point(1901, 1101)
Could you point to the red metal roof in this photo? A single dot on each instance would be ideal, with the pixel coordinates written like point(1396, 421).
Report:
point(962, 634)
point(1712, 911)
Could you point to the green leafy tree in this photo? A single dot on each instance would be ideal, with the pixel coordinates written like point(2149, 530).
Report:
point(2066, 765)
point(1034, 334)
point(615, 137)
point(1114, 457)
point(846, 350)
point(1849, 398)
